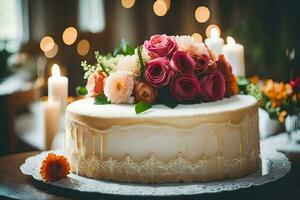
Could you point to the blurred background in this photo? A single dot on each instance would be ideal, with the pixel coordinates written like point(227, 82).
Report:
point(35, 34)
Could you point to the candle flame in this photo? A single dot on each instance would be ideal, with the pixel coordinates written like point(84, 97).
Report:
point(214, 33)
point(55, 70)
point(230, 41)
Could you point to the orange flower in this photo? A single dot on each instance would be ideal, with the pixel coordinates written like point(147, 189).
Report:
point(277, 92)
point(254, 79)
point(234, 85)
point(230, 80)
point(282, 115)
point(94, 83)
point(144, 92)
point(54, 167)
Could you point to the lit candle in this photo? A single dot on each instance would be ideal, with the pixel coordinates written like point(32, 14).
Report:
point(214, 42)
point(51, 120)
point(58, 87)
point(234, 54)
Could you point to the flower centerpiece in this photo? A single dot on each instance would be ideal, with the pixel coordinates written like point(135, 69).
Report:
point(279, 99)
point(167, 70)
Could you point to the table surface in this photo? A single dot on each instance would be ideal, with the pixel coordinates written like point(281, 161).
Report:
point(14, 184)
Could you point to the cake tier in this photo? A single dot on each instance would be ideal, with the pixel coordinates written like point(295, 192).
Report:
point(199, 142)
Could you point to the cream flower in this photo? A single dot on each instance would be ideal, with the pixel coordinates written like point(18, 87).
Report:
point(190, 45)
point(118, 87)
point(145, 55)
point(129, 64)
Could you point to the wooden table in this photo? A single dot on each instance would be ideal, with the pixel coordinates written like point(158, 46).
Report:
point(14, 184)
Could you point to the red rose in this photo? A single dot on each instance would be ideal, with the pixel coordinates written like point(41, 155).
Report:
point(295, 85)
point(158, 72)
point(202, 63)
point(94, 83)
point(212, 86)
point(230, 82)
point(182, 62)
point(160, 46)
point(184, 87)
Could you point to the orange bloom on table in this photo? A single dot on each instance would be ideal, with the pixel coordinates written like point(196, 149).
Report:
point(277, 92)
point(54, 167)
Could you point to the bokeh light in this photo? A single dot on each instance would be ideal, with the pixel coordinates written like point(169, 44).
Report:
point(168, 3)
point(127, 3)
point(202, 14)
point(197, 37)
point(83, 47)
point(47, 43)
point(160, 8)
point(69, 35)
point(52, 53)
point(208, 30)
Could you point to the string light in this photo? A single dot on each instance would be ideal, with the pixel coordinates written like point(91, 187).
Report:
point(127, 3)
point(69, 35)
point(83, 47)
point(52, 53)
point(202, 14)
point(160, 8)
point(47, 43)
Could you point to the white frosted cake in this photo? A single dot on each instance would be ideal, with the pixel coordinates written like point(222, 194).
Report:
point(197, 142)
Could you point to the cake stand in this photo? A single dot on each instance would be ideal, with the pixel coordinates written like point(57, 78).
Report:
point(274, 165)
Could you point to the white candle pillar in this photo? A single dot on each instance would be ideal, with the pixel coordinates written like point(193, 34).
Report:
point(51, 120)
point(214, 42)
point(58, 87)
point(234, 54)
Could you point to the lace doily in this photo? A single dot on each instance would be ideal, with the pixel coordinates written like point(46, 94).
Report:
point(274, 165)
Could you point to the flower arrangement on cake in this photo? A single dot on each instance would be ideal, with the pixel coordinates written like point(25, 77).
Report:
point(167, 70)
point(279, 99)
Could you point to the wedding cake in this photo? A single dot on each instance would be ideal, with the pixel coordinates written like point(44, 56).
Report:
point(167, 111)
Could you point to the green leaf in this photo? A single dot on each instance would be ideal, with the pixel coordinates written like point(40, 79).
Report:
point(166, 98)
point(81, 91)
point(101, 99)
point(129, 50)
point(104, 69)
point(142, 107)
point(243, 83)
point(141, 62)
point(99, 59)
point(123, 48)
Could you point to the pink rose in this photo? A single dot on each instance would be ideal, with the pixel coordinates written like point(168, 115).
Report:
point(94, 83)
point(160, 46)
point(212, 86)
point(202, 63)
point(185, 87)
point(182, 62)
point(158, 72)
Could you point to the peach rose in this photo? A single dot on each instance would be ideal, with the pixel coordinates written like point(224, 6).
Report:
point(144, 92)
point(94, 83)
